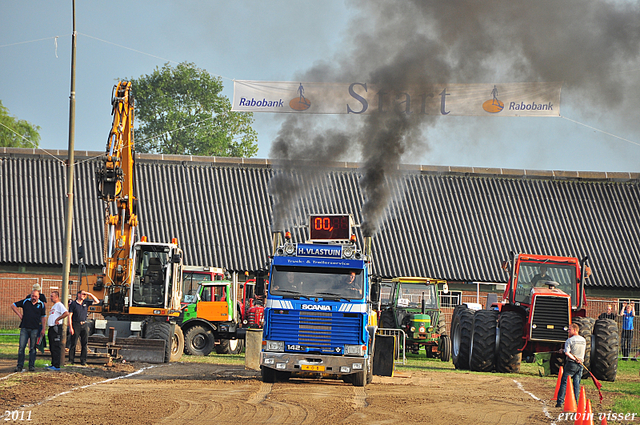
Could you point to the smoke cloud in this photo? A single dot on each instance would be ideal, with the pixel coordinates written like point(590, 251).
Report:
point(589, 46)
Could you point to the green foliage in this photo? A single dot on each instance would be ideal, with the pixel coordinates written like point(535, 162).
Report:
point(181, 111)
point(15, 133)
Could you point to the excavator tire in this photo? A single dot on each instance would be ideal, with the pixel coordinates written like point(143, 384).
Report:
point(166, 331)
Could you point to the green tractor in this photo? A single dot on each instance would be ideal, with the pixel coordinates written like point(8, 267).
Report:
point(214, 316)
point(414, 307)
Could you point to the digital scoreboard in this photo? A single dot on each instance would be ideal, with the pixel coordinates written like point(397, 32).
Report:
point(330, 227)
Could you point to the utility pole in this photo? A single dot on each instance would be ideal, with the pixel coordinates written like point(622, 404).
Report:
point(70, 178)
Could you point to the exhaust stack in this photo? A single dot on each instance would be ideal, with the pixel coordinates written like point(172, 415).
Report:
point(277, 241)
point(367, 247)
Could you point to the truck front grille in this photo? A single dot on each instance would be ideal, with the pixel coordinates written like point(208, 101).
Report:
point(315, 330)
point(550, 318)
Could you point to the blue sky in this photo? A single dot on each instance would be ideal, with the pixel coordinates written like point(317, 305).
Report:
point(271, 41)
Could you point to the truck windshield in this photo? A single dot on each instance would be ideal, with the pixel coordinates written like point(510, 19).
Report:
point(411, 295)
point(190, 283)
point(317, 282)
point(532, 275)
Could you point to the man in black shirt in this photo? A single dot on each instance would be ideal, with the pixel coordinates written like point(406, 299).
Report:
point(609, 314)
point(78, 325)
point(32, 321)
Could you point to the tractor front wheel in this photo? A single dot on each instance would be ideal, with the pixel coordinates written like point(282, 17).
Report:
point(444, 347)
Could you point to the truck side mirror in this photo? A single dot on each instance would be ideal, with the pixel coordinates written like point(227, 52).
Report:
point(80, 252)
point(375, 291)
point(177, 258)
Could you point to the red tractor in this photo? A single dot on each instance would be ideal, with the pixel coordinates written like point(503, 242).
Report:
point(544, 295)
point(252, 307)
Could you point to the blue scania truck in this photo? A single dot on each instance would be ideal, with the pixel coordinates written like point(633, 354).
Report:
point(320, 314)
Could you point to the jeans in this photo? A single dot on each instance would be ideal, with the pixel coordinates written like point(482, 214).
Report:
point(30, 335)
point(55, 344)
point(574, 370)
point(81, 331)
point(627, 337)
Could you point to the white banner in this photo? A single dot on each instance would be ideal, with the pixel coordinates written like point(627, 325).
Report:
point(511, 99)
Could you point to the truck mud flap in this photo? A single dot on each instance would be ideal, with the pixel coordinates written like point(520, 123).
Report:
point(383, 356)
point(132, 349)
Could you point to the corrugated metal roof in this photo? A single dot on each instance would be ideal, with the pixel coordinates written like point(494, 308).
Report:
point(455, 224)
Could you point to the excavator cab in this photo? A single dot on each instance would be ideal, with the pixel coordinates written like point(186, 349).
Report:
point(156, 283)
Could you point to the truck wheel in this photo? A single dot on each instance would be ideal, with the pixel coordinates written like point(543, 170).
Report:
point(461, 327)
point(510, 340)
point(444, 346)
point(604, 350)
point(359, 378)
point(199, 341)
point(483, 341)
point(231, 346)
point(268, 375)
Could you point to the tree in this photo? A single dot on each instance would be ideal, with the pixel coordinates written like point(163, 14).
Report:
point(181, 111)
point(15, 133)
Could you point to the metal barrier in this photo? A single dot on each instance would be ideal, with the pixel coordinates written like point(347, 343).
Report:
point(398, 334)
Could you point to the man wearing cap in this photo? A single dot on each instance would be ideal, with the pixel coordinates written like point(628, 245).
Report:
point(32, 319)
point(58, 312)
point(78, 325)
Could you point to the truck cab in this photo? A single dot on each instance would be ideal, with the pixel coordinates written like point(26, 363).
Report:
point(319, 315)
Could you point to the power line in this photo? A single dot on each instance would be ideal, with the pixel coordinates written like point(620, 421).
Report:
point(601, 131)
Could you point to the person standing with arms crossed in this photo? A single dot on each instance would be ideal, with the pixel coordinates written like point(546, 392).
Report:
point(78, 325)
point(32, 319)
point(57, 314)
point(574, 349)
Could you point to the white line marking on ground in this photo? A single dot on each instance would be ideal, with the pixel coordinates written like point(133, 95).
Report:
point(544, 405)
point(24, 406)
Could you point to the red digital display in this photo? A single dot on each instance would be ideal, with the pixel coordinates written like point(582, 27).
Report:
point(330, 227)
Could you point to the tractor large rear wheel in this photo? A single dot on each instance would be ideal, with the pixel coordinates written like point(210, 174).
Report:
point(461, 327)
point(483, 341)
point(510, 340)
point(586, 329)
point(604, 350)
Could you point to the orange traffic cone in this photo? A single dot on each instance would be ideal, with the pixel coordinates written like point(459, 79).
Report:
point(569, 398)
point(604, 420)
point(582, 407)
point(589, 418)
point(558, 382)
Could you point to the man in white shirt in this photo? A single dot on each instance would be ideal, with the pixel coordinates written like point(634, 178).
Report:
point(574, 349)
point(57, 314)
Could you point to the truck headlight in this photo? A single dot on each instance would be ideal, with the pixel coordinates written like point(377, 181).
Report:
point(289, 249)
point(347, 251)
point(355, 350)
point(275, 346)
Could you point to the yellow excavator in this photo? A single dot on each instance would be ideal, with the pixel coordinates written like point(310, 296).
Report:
point(141, 286)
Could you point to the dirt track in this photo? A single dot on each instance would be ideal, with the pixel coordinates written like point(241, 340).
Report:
point(204, 393)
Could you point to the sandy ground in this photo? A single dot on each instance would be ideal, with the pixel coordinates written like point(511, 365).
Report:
point(204, 393)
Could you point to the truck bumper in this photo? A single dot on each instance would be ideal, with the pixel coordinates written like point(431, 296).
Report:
point(312, 364)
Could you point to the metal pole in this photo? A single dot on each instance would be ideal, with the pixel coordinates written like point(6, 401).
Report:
point(70, 177)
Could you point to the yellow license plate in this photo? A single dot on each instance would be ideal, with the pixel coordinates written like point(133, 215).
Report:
point(312, 367)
